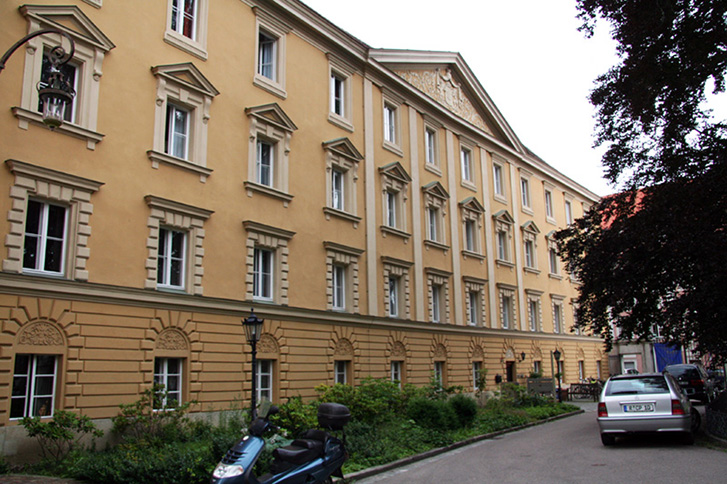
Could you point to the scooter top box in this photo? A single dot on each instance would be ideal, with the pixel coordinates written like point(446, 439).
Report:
point(333, 415)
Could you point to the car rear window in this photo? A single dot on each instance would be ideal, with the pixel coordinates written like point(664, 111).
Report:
point(637, 386)
point(689, 372)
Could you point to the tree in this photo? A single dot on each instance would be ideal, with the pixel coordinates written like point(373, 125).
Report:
point(655, 255)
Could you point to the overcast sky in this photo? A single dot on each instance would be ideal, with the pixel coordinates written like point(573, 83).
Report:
point(527, 54)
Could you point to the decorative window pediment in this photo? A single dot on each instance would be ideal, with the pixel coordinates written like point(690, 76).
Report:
point(343, 147)
point(504, 216)
point(69, 19)
point(273, 114)
point(530, 228)
point(436, 190)
point(395, 171)
point(472, 204)
point(188, 76)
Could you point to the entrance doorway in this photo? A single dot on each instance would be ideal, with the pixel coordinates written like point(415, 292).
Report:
point(510, 371)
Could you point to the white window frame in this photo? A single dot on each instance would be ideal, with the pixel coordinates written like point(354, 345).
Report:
point(581, 371)
point(534, 311)
point(433, 224)
point(438, 289)
point(338, 276)
point(503, 252)
point(473, 307)
point(525, 193)
point(439, 372)
point(498, 181)
point(529, 249)
point(549, 212)
point(265, 380)
point(436, 303)
point(396, 275)
point(431, 146)
point(263, 274)
point(342, 279)
point(503, 225)
point(265, 162)
point(340, 74)
point(395, 189)
point(166, 261)
point(43, 238)
point(276, 240)
point(467, 165)
point(91, 46)
point(341, 372)
point(338, 189)
point(31, 393)
point(391, 122)
point(508, 316)
point(195, 45)
point(568, 206)
point(394, 296)
point(558, 315)
point(476, 370)
point(162, 376)
point(173, 135)
point(395, 372)
point(267, 25)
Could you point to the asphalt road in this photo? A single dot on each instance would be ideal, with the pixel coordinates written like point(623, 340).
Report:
point(566, 451)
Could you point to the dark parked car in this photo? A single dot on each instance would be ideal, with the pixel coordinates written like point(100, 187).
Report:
point(694, 380)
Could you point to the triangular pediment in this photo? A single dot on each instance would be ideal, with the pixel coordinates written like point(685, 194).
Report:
point(471, 203)
point(530, 227)
point(273, 114)
point(188, 75)
point(504, 216)
point(343, 147)
point(436, 189)
point(395, 170)
point(446, 78)
point(69, 19)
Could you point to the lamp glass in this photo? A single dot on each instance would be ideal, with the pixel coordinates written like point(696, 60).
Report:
point(253, 327)
point(556, 355)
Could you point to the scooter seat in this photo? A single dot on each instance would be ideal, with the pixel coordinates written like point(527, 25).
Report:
point(301, 450)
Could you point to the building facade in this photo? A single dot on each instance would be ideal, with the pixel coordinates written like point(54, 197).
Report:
point(372, 205)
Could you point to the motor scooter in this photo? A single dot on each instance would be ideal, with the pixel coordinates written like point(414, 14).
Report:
point(310, 459)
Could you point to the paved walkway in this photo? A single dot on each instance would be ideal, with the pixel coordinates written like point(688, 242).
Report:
point(25, 479)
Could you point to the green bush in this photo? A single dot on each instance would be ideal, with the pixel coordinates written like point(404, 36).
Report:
point(465, 407)
point(61, 435)
point(295, 416)
point(374, 400)
point(432, 414)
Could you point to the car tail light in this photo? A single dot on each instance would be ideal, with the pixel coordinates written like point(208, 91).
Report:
point(696, 383)
point(602, 411)
point(677, 408)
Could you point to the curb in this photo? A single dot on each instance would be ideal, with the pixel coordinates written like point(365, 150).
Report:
point(371, 471)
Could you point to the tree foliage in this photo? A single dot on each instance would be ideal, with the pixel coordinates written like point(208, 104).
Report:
point(654, 257)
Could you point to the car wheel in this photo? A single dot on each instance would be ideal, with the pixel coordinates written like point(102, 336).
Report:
point(608, 439)
point(696, 420)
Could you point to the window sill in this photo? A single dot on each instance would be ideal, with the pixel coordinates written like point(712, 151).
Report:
point(340, 121)
point(157, 157)
point(385, 229)
point(527, 210)
point(393, 147)
point(468, 253)
point(501, 198)
point(505, 263)
point(436, 245)
point(26, 117)
point(469, 185)
point(531, 270)
point(253, 187)
point(269, 85)
point(186, 44)
point(172, 290)
point(551, 220)
point(557, 277)
point(332, 212)
point(433, 168)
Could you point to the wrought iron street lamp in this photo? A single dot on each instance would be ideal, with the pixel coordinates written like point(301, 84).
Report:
point(253, 328)
point(56, 92)
point(556, 355)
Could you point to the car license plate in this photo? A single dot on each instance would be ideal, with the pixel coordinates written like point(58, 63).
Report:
point(639, 407)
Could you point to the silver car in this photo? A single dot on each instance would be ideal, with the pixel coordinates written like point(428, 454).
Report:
point(645, 403)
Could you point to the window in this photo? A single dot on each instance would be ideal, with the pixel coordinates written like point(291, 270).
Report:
point(476, 375)
point(553, 260)
point(339, 287)
point(507, 307)
point(470, 233)
point(394, 296)
point(270, 53)
point(438, 286)
point(568, 212)
point(561, 371)
point(341, 372)
point(475, 300)
point(181, 117)
point(506, 312)
point(435, 206)
point(465, 156)
point(168, 372)
point(176, 135)
point(436, 293)
point(342, 277)
point(549, 204)
point(395, 182)
point(557, 316)
point(54, 238)
point(45, 238)
point(503, 233)
point(342, 160)
point(433, 224)
point(534, 312)
point(91, 46)
point(171, 258)
point(530, 246)
point(581, 371)
point(176, 252)
point(338, 95)
point(439, 372)
point(525, 192)
point(340, 105)
point(264, 374)
point(390, 124)
point(267, 262)
point(497, 180)
point(34, 386)
point(396, 278)
point(263, 274)
point(338, 198)
point(268, 153)
point(396, 372)
point(187, 26)
point(530, 254)
point(430, 146)
point(473, 307)
point(537, 367)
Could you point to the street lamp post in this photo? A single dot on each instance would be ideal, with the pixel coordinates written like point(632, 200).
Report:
point(253, 328)
point(56, 92)
point(556, 355)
